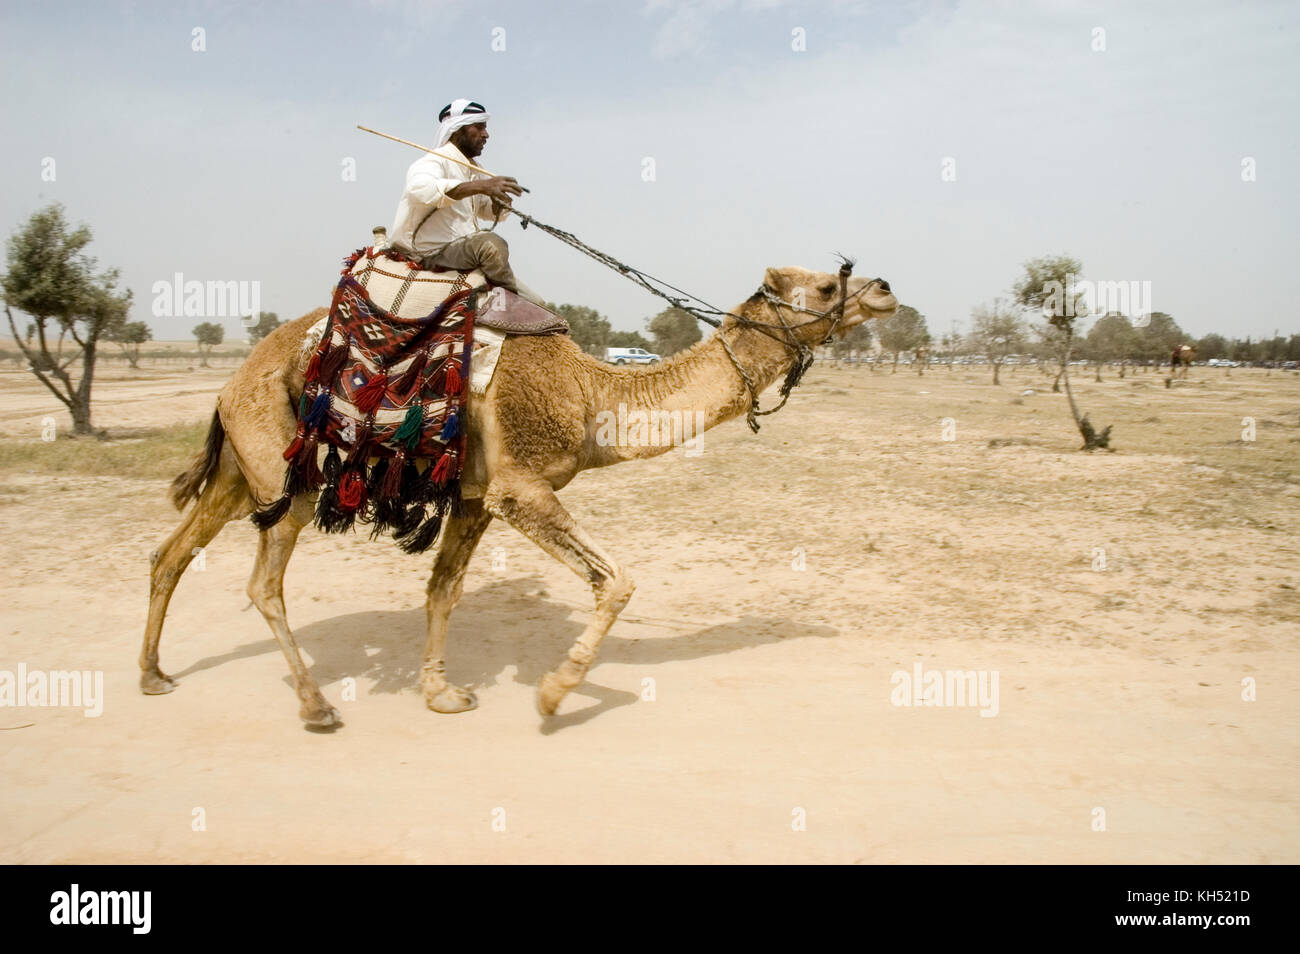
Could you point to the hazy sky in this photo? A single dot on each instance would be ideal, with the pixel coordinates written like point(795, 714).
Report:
point(227, 164)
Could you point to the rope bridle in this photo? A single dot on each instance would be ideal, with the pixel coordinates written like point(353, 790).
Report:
point(802, 354)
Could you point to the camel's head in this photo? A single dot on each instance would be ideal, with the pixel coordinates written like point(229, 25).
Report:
point(820, 291)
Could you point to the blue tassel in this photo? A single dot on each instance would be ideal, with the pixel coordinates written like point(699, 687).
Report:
point(450, 429)
point(319, 408)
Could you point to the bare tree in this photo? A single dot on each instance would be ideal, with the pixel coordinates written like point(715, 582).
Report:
point(998, 332)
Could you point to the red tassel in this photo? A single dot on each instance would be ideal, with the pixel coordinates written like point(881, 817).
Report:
point(331, 364)
point(454, 383)
point(307, 465)
point(392, 485)
point(371, 394)
point(411, 376)
point(352, 491)
point(292, 450)
point(442, 469)
point(360, 447)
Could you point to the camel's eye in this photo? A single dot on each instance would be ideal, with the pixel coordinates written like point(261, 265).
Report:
point(827, 289)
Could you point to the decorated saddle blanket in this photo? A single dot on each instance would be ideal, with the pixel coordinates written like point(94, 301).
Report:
point(384, 394)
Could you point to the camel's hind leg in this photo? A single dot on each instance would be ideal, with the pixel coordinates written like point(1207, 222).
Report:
point(459, 537)
point(266, 590)
point(225, 498)
point(530, 506)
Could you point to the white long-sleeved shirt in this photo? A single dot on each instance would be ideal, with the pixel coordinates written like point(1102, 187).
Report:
point(426, 218)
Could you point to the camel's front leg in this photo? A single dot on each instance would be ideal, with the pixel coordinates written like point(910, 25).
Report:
point(530, 506)
point(456, 543)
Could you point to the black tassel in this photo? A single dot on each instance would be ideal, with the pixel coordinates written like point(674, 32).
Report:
point(375, 480)
point(333, 465)
point(457, 506)
point(423, 538)
point(268, 517)
point(409, 521)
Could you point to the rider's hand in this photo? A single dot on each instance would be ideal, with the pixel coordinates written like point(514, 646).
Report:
point(499, 189)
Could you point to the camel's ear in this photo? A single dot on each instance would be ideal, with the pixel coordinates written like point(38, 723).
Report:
point(776, 279)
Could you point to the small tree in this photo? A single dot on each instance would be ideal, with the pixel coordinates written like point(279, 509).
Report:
point(1112, 338)
point(129, 336)
point(997, 332)
point(1158, 338)
point(904, 331)
point(856, 339)
point(50, 277)
point(673, 330)
point(1047, 286)
point(1212, 346)
point(210, 334)
point(587, 327)
point(627, 339)
point(950, 343)
point(267, 321)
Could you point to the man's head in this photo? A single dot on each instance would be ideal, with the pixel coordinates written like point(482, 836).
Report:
point(464, 125)
point(470, 139)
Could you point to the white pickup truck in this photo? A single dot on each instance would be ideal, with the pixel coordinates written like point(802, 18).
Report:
point(630, 356)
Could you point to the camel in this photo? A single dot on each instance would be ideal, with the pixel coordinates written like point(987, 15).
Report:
point(1181, 360)
point(533, 431)
point(922, 357)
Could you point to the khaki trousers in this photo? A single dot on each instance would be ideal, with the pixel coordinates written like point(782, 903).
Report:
point(489, 253)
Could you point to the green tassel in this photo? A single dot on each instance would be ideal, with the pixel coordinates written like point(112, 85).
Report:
point(302, 405)
point(409, 432)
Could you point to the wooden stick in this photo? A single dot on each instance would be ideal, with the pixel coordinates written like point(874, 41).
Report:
point(407, 142)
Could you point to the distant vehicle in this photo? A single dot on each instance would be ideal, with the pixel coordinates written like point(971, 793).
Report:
point(630, 356)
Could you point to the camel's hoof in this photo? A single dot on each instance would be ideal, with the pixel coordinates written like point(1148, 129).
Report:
point(452, 699)
point(156, 684)
point(554, 686)
point(550, 693)
point(320, 717)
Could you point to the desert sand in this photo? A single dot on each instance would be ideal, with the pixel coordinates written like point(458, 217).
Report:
point(783, 579)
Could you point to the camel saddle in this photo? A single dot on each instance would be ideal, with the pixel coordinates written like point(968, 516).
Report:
point(505, 311)
point(399, 286)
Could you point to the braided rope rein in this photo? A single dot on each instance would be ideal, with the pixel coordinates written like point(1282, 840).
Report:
point(803, 355)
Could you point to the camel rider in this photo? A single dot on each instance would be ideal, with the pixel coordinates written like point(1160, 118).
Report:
point(443, 203)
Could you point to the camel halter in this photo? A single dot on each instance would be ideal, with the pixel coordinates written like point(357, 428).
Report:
point(802, 355)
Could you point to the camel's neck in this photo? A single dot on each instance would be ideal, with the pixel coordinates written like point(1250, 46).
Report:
point(649, 412)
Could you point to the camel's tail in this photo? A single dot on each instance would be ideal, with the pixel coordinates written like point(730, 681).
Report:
point(190, 484)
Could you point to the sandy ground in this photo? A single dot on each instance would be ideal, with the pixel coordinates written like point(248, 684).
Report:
point(1121, 689)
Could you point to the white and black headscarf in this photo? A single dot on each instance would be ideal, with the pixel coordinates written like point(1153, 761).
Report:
point(458, 113)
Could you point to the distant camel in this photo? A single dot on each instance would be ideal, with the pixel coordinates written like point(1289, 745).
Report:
point(536, 428)
point(922, 360)
point(1181, 360)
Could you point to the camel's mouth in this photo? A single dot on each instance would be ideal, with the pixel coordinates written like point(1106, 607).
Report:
point(876, 299)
